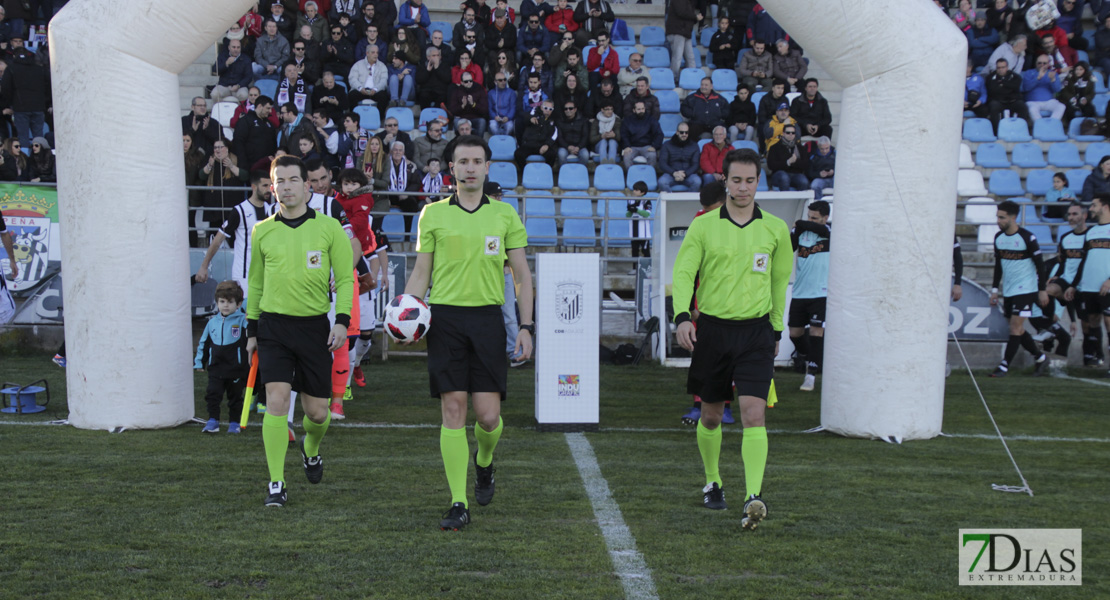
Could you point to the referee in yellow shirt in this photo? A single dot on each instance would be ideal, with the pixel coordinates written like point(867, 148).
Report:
point(742, 257)
point(463, 243)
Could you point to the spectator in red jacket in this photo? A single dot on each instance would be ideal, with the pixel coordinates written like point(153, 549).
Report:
point(713, 155)
point(247, 106)
point(562, 20)
point(602, 61)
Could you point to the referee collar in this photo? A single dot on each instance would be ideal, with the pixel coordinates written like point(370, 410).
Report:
point(294, 223)
point(756, 214)
point(454, 201)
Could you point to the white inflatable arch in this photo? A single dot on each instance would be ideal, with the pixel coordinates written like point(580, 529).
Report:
point(114, 67)
point(902, 68)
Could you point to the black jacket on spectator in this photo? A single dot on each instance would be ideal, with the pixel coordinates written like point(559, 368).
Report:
point(818, 163)
point(338, 56)
point(681, 18)
point(10, 171)
point(594, 25)
point(811, 113)
point(495, 35)
point(707, 110)
point(1004, 89)
point(203, 136)
point(779, 154)
point(741, 111)
point(535, 135)
point(596, 99)
point(239, 73)
point(432, 85)
point(29, 83)
point(320, 92)
point(767, 107)
point(255, 138)
point(574, 132)
point(726, 59)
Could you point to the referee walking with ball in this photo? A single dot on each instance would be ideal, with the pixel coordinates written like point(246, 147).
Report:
point(463, 243)
point(294, 255)
point(743, 258)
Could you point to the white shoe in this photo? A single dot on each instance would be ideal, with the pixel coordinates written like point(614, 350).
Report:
point(807, 385)
point(1044, 334)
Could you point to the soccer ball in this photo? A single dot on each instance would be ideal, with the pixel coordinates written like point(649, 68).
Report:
point(407, 318)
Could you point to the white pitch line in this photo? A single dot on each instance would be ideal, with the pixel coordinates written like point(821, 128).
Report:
point(1093, 381)
point(634, 573)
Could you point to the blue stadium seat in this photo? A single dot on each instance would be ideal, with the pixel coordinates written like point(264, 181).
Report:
point(697, 60)
point(976, 130)
point(404, 117)
point(662, 79)
point(369, 117)
point(502, 146)
point(992, 155)
point(576, 206)
point(609, 178)
point(539, 207)
point(706, 36)
point(643, 173)
point(1073, 133)
point(393, 225)
point(267, 87)
point(541, 231)
point(1064, 155)
point(538, 176)
point(1038, 182)
point(1013, 129)
point(503, 173)
point(728, 96)
point(657, 58)
point(1096, 151)
point(1028, 211)
point(1049, 130)
point(689, 79)
point(1027, 155)
point(1043, 233)
point(724, 80)
point(446, 28)
point(1077, 177)
point(1100, 104)
point(1005, 183)
point(574, 176)
point(758, 96)
point(1100, 85)
point(579, 233)
point(652, 36)
point(738, 144)
point(625, 52)
point(762, 187)
point(668, 101)
point(430, 114)
point(620, 232)
point(702, 143)
point(669, 124)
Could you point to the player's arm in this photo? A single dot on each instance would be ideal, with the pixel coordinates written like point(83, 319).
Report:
point(518, 260)
point(685, 271)
point(418, 282)
point(255, 281)
point(782, 265)
point(957, 262)
point(997, 280)
point(217, 240)
point(201, 358)
point(343, 266)
point(1038, 263)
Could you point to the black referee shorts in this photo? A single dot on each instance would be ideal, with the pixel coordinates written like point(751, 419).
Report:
point(807, 311)
point(294, 350)
point(466, 350)
point(727, 352)
point(1093, 303)
point(1020, 305)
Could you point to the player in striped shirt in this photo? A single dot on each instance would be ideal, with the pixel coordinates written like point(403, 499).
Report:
point(1018, 266)
point(1091, 285)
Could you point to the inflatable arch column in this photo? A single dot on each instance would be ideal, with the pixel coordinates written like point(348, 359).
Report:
point(902, 68)
point(114, 66)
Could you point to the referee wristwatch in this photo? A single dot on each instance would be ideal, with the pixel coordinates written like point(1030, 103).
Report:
point(530, 328)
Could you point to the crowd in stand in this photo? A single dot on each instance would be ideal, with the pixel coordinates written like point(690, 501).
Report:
point(545, 74)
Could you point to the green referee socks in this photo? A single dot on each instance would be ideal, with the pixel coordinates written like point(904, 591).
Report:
point(709, 444)
point(455, 449)
point(487, 441)
point(275, 438)
point(313, 433)
point(754, 452)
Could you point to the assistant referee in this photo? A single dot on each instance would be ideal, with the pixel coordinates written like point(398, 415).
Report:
point(294, 256)
point(742, 257)
point(463, 243)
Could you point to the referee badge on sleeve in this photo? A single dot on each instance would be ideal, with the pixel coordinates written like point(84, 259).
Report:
point(759, 263)
point(315, 259)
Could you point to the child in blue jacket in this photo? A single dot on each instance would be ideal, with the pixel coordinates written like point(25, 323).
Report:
point(222, 352)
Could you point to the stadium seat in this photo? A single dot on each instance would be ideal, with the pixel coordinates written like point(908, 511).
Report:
point(981, 210)
point(1013, 129)
point(1043, 233)
point(1076, 178)
point(662, 79)
point(267, 87)
point(969, 182)
point(689, 79)
point(1027, 155)
point(992, 155)
point(369, 117)
point(724, 80)
point(624, 52)
point(1049, 130)
point(762, 187)
point(622, 39)
point(609, 178)
point(503, 173)
point(541, 231)
point(430, 114)
point(617, 227)
point(1073, 133)
point(1038, 182)
point(668, 101)
point(1096, 151)
point(538, 176)
point(223, 111)
point(643, 173)
point(403, 116)
point(657, 58)
point(502, 147)
point(579, 233)
point(1006, 183)
point(669, 124)
point(977, 130)
point(1100, 85)
point(702, 143)
point(1100, 104)
point(574, 176)
point(1029, 214)
point(393, 225)
point(1064, 155)
point(576, 206)
point(652, 36)
point(706, 36)
point(966, 162)
point(757, 97)
point(728, 96)
point(446, 28)
point(539, 207)
point(986, 237)
point(738, 144)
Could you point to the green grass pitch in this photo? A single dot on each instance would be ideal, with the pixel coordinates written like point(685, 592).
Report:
point(177, 514)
